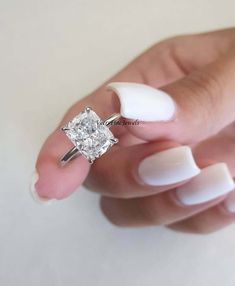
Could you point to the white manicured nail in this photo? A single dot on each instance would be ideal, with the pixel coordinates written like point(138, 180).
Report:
point(34, 193)
point(229, 202)
point(168, 167)
point(143, 102)
point(213, 181)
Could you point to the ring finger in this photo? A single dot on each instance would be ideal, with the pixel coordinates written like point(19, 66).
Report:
point(202, 192)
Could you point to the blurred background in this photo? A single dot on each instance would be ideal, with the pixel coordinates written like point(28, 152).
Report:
point(52, 53)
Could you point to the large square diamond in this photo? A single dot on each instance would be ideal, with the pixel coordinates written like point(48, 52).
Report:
point(89, 134)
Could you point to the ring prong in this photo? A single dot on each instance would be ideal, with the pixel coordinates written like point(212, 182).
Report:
point(114, 140)
point(90, 161)
point(88, 109)
point(64, 128)
point(111, 119)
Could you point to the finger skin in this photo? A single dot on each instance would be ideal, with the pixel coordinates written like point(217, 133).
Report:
point(161, 209)
point(206, 222)
point(55, 181)
point(219, 148)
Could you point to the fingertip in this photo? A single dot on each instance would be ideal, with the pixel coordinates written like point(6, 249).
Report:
point(35, 195)
point(51, 180)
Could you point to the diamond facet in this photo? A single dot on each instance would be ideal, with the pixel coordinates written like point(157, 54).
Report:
point(88, 133)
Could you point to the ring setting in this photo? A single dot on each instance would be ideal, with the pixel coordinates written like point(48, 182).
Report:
point(90, 135)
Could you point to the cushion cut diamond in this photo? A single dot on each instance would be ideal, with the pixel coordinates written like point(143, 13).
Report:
point(89, 134)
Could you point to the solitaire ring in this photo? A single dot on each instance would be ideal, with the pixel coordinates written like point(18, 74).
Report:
point(90, 135)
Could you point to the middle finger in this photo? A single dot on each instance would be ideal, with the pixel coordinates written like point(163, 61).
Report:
point(142, 170)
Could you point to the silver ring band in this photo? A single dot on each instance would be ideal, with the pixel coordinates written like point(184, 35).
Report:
point(71, 154)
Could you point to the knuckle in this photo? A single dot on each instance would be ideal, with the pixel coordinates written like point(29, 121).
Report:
point(204, 84)
point(205, 92)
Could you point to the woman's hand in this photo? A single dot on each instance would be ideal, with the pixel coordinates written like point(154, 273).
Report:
point(149, 178)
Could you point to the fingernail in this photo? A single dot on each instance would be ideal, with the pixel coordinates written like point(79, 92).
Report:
point(143, 102)
point(34, 192)
point(168, 167)
point(229, 202)
point(213, 181)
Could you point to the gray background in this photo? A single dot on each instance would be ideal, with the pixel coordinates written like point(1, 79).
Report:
point(51, 54)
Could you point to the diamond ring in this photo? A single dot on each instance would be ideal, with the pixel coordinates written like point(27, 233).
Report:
point(90, 135)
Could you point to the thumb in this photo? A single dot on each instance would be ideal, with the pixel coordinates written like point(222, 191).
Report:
point(188, 110)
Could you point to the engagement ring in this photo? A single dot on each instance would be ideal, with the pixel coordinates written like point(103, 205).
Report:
point(90, 135)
